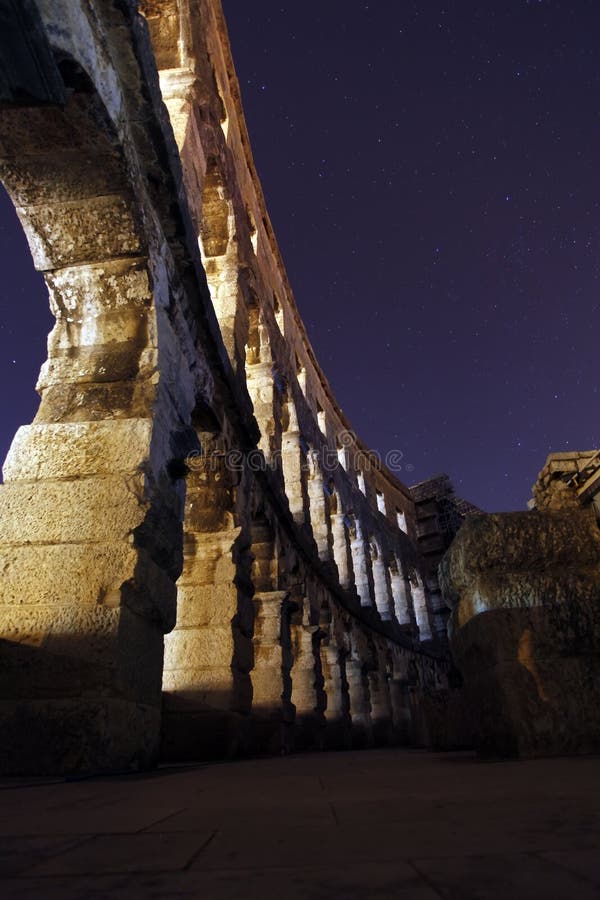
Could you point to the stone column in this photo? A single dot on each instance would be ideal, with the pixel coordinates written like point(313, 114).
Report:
point(340, 548)
point(272, 712)
point(207, 688)
point(360, 707)
point(292, 465)
point(260, 387)
point(381, 707)
point(401, 718)
point(310, 721)
point(401, 596)
point(421, 612)
point(318, 508)
point(380, 585)
point(359, 564)
point(337, 727)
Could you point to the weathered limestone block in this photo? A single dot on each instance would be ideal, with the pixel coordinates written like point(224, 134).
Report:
point(524, 630)
point(77, 450)
point(82, 616)
point(65, 239)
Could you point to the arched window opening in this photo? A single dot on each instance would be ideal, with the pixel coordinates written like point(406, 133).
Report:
point(321, 419)
point(381, 502)
point(301, 374)
point(252, 230)
point(342, 455)
point(278, 312)
point(401, 520)
point(360, 480)
point(253, 344)
point(223, 117)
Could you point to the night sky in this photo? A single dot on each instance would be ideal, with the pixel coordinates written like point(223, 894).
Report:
point(432, 173)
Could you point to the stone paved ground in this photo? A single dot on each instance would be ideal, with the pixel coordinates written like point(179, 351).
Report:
point(382, 823)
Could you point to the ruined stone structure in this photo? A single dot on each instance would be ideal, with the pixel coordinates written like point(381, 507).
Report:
point(525, 625)
point(198, 556)
point(439, 515)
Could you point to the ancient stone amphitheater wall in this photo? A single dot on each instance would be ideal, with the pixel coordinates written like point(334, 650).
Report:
point(189, 473)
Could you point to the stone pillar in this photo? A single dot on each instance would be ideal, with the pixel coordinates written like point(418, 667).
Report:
point(260, 388)
point(360, 706)
point(381, 708)
point(401, 596)
point(292, 466)
point(380, 585)
point(340, 548)
point(337, 728)
point(318, 508)
point(208, 657)
point(359, 564)
point(421, 612)
point(306, 686)
point(272, 712)
point(401, 717)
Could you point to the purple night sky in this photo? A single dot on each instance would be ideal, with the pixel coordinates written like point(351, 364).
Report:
point(432, 173)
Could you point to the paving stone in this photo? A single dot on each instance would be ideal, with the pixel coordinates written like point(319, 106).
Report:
point(502, 876)
point(584, 862)
point(107, 854)
point(18, 854)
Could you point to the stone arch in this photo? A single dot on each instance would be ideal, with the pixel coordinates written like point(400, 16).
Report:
point(98, 604)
